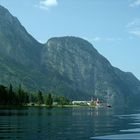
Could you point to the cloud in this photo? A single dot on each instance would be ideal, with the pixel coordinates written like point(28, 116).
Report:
point(46, 4)
point(134, 23)
point(97, 39)
point(135, 3)
point(103, 39)
point(133, 27)
point(111, 39)
point(137, 33)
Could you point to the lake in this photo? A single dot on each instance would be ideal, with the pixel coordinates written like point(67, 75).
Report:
point(69, 124)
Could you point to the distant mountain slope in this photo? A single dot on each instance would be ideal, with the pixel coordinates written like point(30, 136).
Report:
point(68, 66)
point(86, 71)
point(15, 40)
point(19, 51)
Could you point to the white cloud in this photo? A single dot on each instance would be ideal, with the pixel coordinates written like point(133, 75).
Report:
point(97, 39)
point(137, 33)
point(46, 4)
point(134, 23)
point(133, 27)
point(111, 39)
point(103, 39)
point(135, 3)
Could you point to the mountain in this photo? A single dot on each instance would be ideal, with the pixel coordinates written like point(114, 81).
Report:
point(19, 51)
point(86, 72)
point(68, 66)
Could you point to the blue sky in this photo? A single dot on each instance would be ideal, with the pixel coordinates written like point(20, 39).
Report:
point(112, 26)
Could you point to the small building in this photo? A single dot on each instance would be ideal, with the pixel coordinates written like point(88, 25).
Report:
point(96, 102)
point(80, 102)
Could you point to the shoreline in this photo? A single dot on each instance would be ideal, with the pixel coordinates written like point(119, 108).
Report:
point(48, 107)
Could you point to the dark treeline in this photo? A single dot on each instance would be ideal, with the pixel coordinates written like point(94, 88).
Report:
point(20, 97)
point(10, 97)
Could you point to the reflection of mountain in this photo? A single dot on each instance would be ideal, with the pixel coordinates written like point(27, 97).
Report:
point(68, 66)
point(127, 125)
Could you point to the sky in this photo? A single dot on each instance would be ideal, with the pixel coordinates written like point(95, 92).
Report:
point(112, 26)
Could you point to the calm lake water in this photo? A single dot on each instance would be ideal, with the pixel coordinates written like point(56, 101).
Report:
point(69, 124)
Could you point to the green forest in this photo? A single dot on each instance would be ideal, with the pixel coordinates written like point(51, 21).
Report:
point(20, 97)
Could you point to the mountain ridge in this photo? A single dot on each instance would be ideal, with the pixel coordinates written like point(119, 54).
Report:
point(68, 66)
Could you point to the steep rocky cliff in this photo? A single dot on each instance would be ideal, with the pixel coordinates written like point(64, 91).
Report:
point(87, 72)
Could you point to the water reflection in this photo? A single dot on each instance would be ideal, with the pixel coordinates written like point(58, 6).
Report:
point(129, 128)
point(66, 123)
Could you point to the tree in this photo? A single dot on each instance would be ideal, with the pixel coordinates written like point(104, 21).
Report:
point(33, 98)
point(40, 98)
point(26, 97)
point(63, 101)
point(22, 97)
point(3, 95)
point(11, 96)
point(49, 100)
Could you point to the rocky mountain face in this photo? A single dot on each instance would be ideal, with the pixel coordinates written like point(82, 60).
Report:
point(68, 66)
point(19, 51)
point(15, 42)
point(87, 72)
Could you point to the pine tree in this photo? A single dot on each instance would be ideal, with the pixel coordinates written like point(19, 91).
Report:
point(40, 98)
point(49, 100)
point(3, 95)
point(11, 96)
